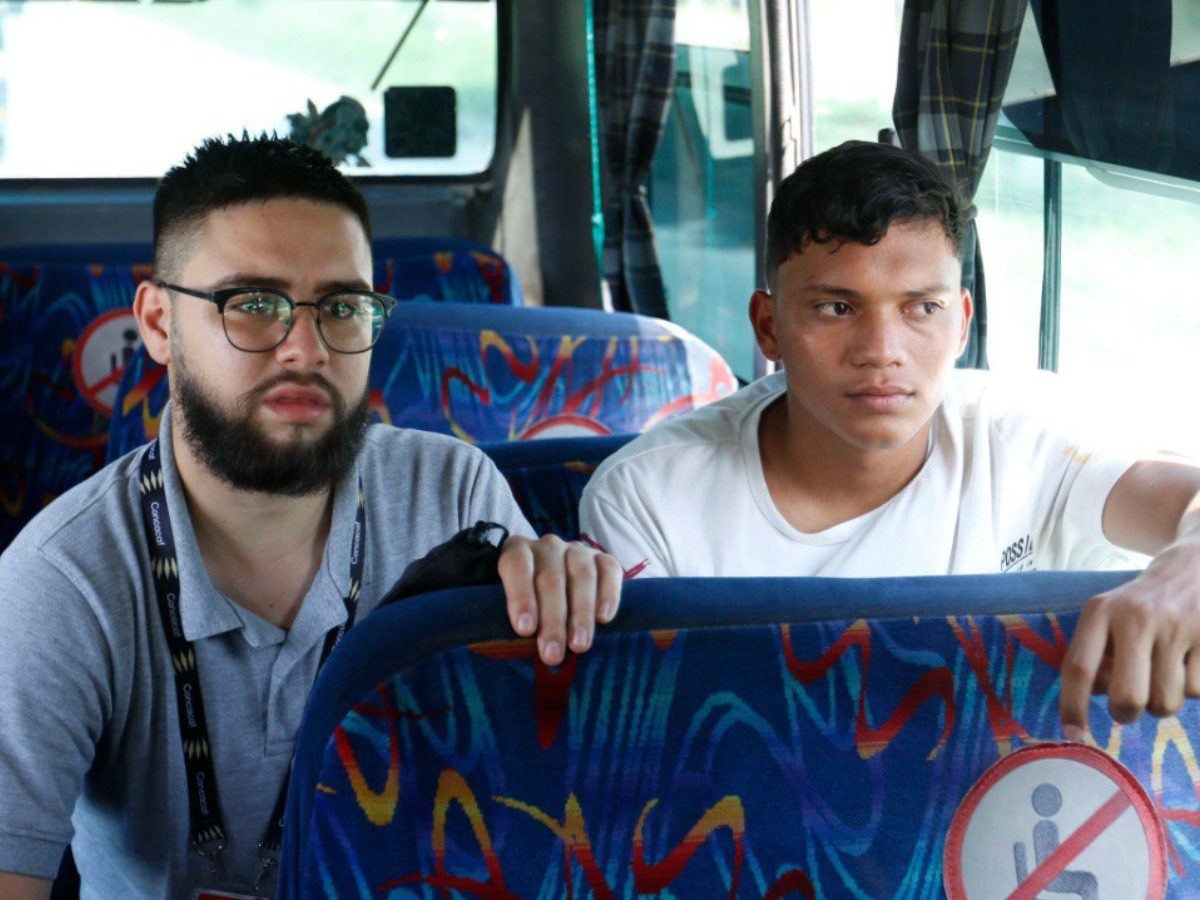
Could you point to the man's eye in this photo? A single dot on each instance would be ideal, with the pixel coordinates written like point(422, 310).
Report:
point(342, 310)
point(253, 305)
point(927, 308)
point(835, 308)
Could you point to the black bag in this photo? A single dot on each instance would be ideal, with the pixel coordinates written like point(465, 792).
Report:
point(466, 560)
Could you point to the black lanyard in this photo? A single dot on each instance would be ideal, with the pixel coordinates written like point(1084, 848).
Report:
point(207, 830)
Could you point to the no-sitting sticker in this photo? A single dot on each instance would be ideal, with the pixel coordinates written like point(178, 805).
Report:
point(1063, 819)
point(104, 349)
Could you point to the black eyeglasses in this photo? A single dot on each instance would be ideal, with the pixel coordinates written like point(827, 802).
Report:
point(257, 320)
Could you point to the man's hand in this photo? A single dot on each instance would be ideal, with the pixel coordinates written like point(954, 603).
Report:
point(1139, 643)
point(22, 887)
point(556, 589)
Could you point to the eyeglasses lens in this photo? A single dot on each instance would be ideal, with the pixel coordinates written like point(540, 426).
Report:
point(257, 320)
point(351, 322)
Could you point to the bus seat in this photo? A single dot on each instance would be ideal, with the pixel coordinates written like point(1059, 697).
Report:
point(498, 373)
point(724, 737)
point(409, 268)
point(69, 333)
point(444, 269)
point(547, 477)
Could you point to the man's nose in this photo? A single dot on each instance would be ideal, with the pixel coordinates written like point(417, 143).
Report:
point(878, 340)
point(304, 345)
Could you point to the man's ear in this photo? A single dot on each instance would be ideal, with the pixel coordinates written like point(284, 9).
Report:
point(762, 317)
point(152, 309)
point(968, 310)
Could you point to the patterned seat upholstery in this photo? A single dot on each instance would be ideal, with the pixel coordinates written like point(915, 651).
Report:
point(69, 333)
point(757, 738)
point(502, 374)
point(548, 477)
point(444, 269)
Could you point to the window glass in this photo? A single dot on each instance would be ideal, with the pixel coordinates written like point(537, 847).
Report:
point(1130, 327)
point(126, 89)
point(1128, 333)
point(1009, 204)
point(854, 49)
point(702, 181)
point(1130, 211)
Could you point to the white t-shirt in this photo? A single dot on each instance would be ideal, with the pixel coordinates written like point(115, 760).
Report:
point(999, 492)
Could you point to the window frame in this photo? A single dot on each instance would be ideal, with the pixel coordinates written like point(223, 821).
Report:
point(129, 191)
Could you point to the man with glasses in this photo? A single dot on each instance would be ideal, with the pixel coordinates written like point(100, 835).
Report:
point(185, 596)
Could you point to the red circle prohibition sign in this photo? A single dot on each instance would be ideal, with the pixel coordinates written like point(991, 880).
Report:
point(99, 388)
point(1062, 818)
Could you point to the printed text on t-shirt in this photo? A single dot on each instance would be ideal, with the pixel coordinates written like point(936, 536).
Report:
point(1018, 555)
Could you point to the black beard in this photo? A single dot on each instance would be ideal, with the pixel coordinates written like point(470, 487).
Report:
point(232, 448)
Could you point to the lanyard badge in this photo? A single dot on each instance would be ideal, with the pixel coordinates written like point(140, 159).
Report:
point(206, 825)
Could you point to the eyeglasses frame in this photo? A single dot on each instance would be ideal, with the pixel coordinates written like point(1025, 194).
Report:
point(221, 297)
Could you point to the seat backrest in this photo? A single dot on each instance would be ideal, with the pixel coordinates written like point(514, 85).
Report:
point(446, 269)
point(547, 477)
point(495, 373)
point(67, 335)
point(442, 269)
point(760, 738)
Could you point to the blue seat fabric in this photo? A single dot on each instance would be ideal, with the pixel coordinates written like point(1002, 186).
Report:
point(66, 332)
point(444, 269)
point(499, 373)
point(547, 477)
point(758, 738)
point(54, 300)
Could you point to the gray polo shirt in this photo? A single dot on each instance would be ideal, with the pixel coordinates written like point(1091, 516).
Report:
point(89, 742)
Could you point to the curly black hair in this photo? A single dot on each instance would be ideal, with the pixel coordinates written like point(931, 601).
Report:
point(853, 193)
point(230, 171)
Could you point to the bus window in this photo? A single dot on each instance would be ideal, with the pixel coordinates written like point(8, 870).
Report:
point(1009, 204)
point(853, 53)
point(1119, 266)
point(124, 90)
point(702, 180)
point(1113, 171)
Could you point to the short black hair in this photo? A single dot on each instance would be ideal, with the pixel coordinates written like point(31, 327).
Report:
point(230, 171)
point(853, 193)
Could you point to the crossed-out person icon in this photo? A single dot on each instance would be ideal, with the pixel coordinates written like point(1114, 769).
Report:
point(1047, 801)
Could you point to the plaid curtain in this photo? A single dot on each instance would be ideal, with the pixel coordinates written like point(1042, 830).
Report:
point(635, 72)
point(1110, 61)
point(955, 59)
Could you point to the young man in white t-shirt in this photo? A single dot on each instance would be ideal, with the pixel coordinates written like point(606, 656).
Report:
point(870, 455)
